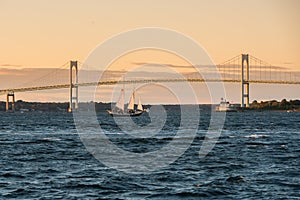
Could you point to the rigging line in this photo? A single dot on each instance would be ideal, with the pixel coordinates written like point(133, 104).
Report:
point(223, 63)
point(257, 59)
point(46, 75)
point(84, 65)
point(234, 69)
point(270, 73)
point(225, 71)
point(221, 70)
point(260, 64)
point(263, 66)
point(229, 65)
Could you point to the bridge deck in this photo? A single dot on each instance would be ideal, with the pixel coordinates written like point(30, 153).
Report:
point(50, 87)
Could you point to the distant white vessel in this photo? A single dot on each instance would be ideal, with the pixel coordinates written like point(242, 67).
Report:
point(225, 106)
point(120, 111)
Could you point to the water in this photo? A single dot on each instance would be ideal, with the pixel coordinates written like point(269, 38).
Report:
point(257, 156)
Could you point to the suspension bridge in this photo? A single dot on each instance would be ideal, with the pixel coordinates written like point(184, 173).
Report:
point(244, 69)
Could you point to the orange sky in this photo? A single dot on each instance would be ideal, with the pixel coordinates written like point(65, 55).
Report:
point(49, 33)
point(38, 33)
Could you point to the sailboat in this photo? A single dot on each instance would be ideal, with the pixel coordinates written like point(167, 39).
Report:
point(120, 111)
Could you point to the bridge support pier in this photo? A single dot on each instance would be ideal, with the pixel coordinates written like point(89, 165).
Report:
point(73, 104)
point(245, 81)
point(8, 107)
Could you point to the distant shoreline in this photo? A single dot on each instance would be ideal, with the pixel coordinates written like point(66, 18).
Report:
point(272, 105)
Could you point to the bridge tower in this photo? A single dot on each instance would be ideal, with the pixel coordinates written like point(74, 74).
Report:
point(73, 104)
point(245, 81)
point(8, 107)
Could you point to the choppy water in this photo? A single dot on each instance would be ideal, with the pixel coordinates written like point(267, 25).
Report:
point(257, 156)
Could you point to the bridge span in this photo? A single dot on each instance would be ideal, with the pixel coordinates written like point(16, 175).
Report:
point(239, 65)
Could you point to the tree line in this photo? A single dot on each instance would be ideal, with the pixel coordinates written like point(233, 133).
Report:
point(276, 105)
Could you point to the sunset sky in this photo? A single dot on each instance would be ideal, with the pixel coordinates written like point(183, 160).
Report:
point(47, 34)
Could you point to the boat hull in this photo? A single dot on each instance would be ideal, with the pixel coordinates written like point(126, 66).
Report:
point(124, 114)
point(226, 109)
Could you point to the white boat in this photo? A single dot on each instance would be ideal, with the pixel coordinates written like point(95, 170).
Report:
point(120, 111)
point(225, 106)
